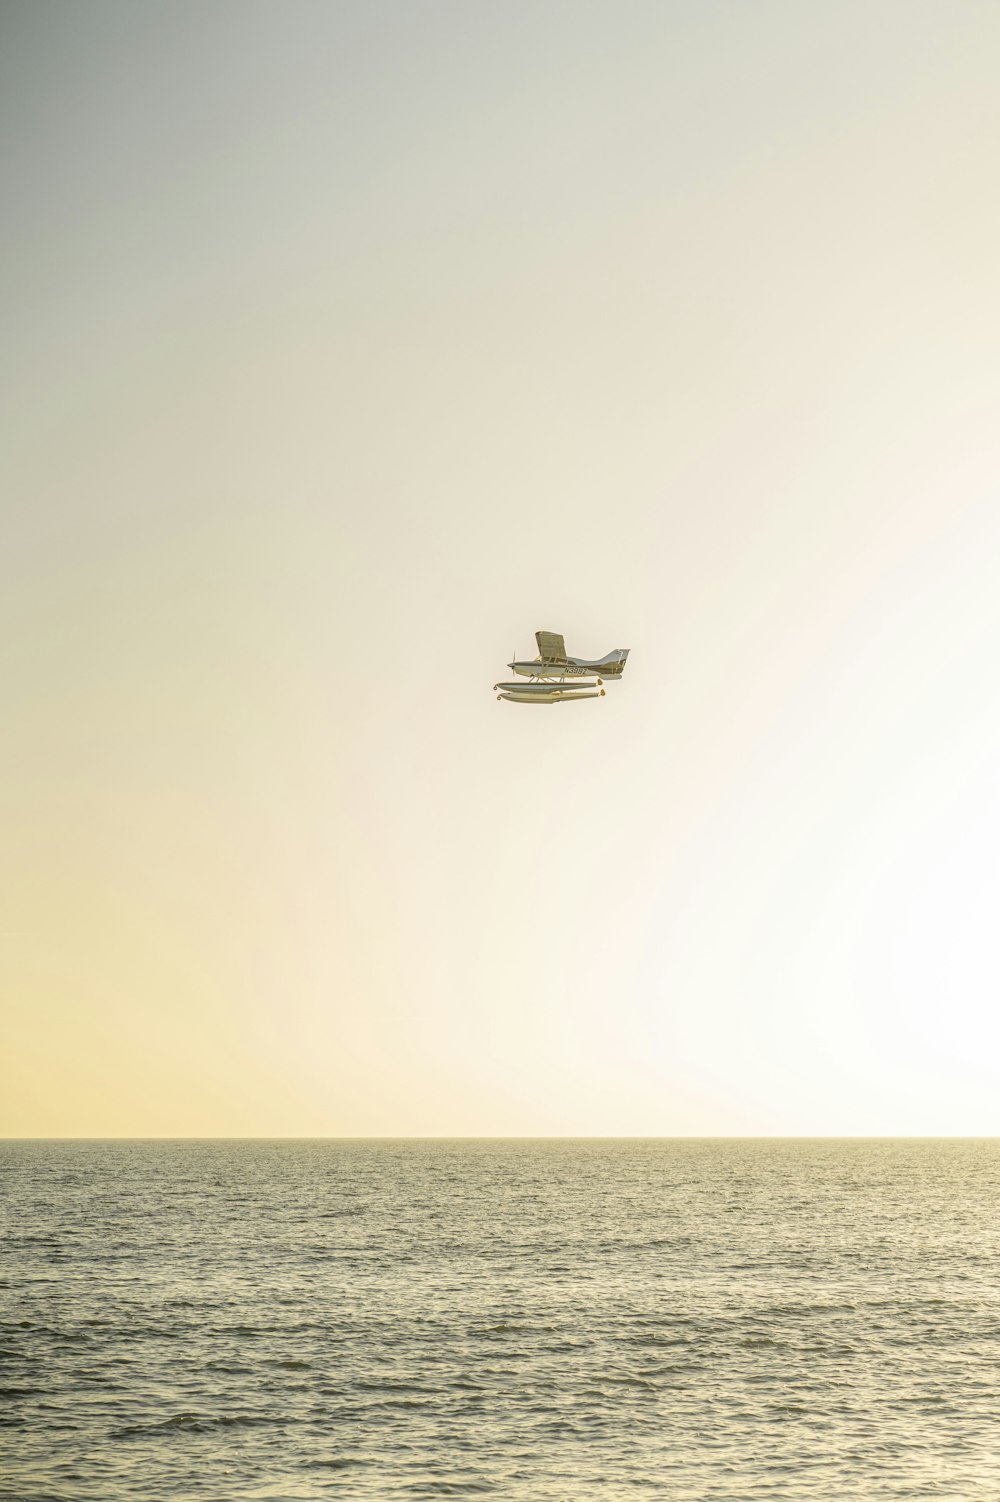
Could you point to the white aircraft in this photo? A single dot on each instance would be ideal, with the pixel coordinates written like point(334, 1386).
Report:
point(552, 661)
point(556, 677)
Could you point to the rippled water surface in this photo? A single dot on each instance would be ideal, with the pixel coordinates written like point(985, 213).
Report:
point(527, 1320)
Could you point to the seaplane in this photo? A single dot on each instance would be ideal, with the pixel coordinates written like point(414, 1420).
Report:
point(555, 677)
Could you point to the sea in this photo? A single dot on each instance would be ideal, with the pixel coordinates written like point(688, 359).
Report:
point(530, 1320)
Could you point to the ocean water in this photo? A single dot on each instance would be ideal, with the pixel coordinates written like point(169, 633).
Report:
point(554, 1320)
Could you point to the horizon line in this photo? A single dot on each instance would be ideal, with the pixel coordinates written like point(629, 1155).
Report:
point(531, 1137)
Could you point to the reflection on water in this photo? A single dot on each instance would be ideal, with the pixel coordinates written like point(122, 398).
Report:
point(529, 1320)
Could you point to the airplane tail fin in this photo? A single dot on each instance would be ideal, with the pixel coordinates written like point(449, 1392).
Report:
point(615, 659)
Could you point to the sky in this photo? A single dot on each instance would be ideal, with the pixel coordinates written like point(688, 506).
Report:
point(347, 344)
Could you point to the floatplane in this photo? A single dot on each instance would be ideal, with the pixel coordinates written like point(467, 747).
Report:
point(555, 677)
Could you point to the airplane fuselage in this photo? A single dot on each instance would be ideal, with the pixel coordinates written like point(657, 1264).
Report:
point(573, 667)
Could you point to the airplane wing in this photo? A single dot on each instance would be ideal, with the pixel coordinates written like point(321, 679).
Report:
point(551, 646)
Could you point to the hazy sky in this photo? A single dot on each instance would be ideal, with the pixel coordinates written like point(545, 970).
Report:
point(346, 344)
